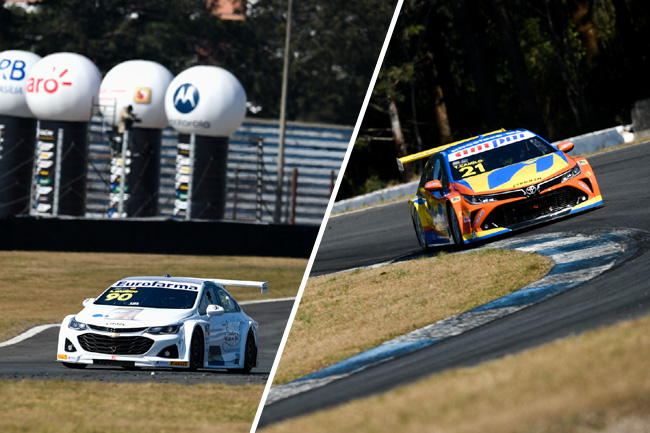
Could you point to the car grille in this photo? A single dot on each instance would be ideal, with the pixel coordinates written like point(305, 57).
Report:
point(115, 330)
point(97, 343)
point(535, 207)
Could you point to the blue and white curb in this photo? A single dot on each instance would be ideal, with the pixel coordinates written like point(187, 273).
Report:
point(577, 257)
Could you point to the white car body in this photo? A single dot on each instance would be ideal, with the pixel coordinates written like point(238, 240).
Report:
point(137, 322)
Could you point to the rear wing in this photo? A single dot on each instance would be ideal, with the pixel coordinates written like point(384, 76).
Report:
point(426, 153)
point(263, 285)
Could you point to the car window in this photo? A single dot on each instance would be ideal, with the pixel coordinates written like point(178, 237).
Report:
point(206, 300)
point(427, 175)
point(502, 156)
point(149, 297)
point(227, 302)
point(436, 170)
point(442, 175)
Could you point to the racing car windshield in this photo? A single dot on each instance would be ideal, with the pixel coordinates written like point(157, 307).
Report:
point(502, 156)
point(148, 297)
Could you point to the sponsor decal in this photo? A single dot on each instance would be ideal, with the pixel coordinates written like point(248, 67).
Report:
point(161, 284)
point(455, 199)
point(178, 363)
point(124, 314)
point(12, 70)
point(12, 90)
point(582, 162)
point(478, 217)
point(190, 123)
point(60, 356)
point(142, 95)
point(537, 179)
point(114, 323)
point(484, 144)
point(49, 85)
point(186, 98)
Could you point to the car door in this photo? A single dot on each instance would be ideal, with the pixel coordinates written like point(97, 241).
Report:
point(231, 346)
point(215, 334)
point(436, 200)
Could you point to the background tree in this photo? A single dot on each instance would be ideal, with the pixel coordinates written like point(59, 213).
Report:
point(557, 67)
point(334, 50)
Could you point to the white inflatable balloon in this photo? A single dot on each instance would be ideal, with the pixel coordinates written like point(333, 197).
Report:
point(14, 67)
point(206, 100)
point(64, 87)
point(141, 84)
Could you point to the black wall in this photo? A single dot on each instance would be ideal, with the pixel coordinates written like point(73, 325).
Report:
point(156, 236)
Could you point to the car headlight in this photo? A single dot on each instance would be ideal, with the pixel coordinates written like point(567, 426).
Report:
point(478, 199)
point(575, 171)
point(77, 326)
point(169, 329)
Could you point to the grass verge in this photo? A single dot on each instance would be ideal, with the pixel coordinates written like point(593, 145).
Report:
point(64, 406)
point(344, 314)
point(595, 382)
point(43, 287)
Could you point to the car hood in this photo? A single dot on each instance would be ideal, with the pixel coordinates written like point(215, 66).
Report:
point(518, 175)
point(116, 317)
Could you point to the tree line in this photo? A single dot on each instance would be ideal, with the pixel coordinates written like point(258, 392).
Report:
point(334, 48)
point(459, 68)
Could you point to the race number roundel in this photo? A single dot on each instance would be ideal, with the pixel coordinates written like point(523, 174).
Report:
point(207, 101)
point(14, 67)
point(63, 87)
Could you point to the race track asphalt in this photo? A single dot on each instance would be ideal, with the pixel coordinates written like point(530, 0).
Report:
point(35, 357)
point(385, 233)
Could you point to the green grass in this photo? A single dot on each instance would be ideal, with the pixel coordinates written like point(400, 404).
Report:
point(345, 314)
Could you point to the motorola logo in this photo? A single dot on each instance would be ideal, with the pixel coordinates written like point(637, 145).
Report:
point(186, 98)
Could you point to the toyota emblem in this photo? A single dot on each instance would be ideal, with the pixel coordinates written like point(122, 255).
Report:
point(531, 190)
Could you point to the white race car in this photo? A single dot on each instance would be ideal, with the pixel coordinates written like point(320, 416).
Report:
point(162, 322)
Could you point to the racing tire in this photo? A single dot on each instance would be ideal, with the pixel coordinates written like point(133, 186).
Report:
point(419, 230)
point(250, 354)
point(456, 234)
point(196, 351)
point(75, 366)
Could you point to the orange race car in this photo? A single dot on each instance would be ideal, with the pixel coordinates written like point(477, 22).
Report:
point(495, 183)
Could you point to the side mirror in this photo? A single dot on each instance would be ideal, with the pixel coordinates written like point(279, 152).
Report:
point(565, 146)
point(88, 301)
point(215, 310)
point(433, 185)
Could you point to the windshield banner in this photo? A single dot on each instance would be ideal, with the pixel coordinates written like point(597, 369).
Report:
point(489, 143)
